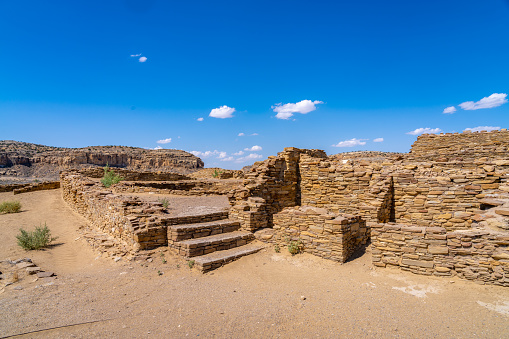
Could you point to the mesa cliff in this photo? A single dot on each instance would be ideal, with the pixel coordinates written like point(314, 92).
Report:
point(21, 159)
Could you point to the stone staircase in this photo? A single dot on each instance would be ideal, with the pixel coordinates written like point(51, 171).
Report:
point(212, 242)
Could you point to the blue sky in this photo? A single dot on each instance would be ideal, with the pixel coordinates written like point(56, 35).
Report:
point(333, 75)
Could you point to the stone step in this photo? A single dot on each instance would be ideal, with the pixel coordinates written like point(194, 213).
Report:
point(194, 218)
point(200, 230)
point(213, 243)
point(214, 260)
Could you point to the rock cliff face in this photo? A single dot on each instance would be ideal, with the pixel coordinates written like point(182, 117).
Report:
point(25, 159)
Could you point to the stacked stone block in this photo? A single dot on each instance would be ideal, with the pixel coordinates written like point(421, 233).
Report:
point(320, 232)
point(478, 255)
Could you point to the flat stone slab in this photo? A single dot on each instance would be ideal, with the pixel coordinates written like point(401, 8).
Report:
point(491, 202)
point(25, 264)
point(45, 274)
point(33, 270)
point(502, 211)
point(215, 239)
point(211, 261)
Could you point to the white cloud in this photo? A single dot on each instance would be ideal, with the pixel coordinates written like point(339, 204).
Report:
point(239, 153)
point(241, 135)
point(351, 143)
point(164, 141)
point(287, 110)
point(254, 134)
point(227, 159)
point(222, 112)
point(255, 148)
point(158, 147)
point(378, 140)
point(142, 59)
point(449, 110)
point(200, 119)
point(135, 55)
point(494, 100)
point(483, 128)
point(425, 130)
point(252, 156)
point(208, 154)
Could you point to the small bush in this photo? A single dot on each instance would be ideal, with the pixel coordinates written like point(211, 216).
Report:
point(190, 263)
point(165, 202)
point(216, 173)
point(110, 178)
point(294, 247)
point(277, 249)
point(10, 207)
point(35, 240)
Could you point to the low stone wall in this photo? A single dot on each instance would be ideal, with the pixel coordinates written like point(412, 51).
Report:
point(11, 187)
point(180, 187)
point(50, 185)
point(478, 255)
point(320, 232)
point(98, 172)
point(135, 222)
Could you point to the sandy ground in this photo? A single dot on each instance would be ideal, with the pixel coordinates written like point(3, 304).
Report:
point(263, 295)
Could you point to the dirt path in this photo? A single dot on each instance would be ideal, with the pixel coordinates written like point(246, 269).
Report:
point(264, 295)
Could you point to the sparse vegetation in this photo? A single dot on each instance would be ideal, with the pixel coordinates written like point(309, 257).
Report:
point(216, 173)
point(10, 207)
point(163, 258)
point(294, 247)
point(110, 178)
point(37, 239)
point(165, 202)
point(277, 249)
point(159, 273)
point(190, 263)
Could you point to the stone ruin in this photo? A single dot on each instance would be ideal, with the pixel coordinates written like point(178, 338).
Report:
point(442, 209)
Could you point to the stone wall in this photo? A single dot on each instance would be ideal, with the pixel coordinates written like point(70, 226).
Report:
point(466, 145)
point(135, 222)
point(138, 224)
point(130, 175)
point(275, 183)
point(31, 187)
point(478, 255)
point(179, 187)
point(320, 232)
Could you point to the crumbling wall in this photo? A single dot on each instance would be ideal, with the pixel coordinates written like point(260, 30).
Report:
point(136, 223)
point(479, 255)
point(320, 232)
point(275, 183)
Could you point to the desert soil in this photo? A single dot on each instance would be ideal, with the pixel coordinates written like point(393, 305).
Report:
point(267, 294)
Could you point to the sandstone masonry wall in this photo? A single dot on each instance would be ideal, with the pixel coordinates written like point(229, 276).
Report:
point(473, 254)
point(320, 232)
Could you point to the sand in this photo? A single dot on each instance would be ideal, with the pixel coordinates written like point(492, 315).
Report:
point(267, 294)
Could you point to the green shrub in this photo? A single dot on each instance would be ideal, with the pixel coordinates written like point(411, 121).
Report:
point(110, 178)
point(294, 247)
point(190, 263)
point(276, 248)
point(10, 207)
point(35, 240)
point(165, 202)
point(216, 173)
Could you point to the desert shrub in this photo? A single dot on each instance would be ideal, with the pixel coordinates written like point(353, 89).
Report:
point(110, 178)
point(37, 239)
point(190, 263)
point(294, 247)
point(216, 173)
point(165, 202)
point(10, 207)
